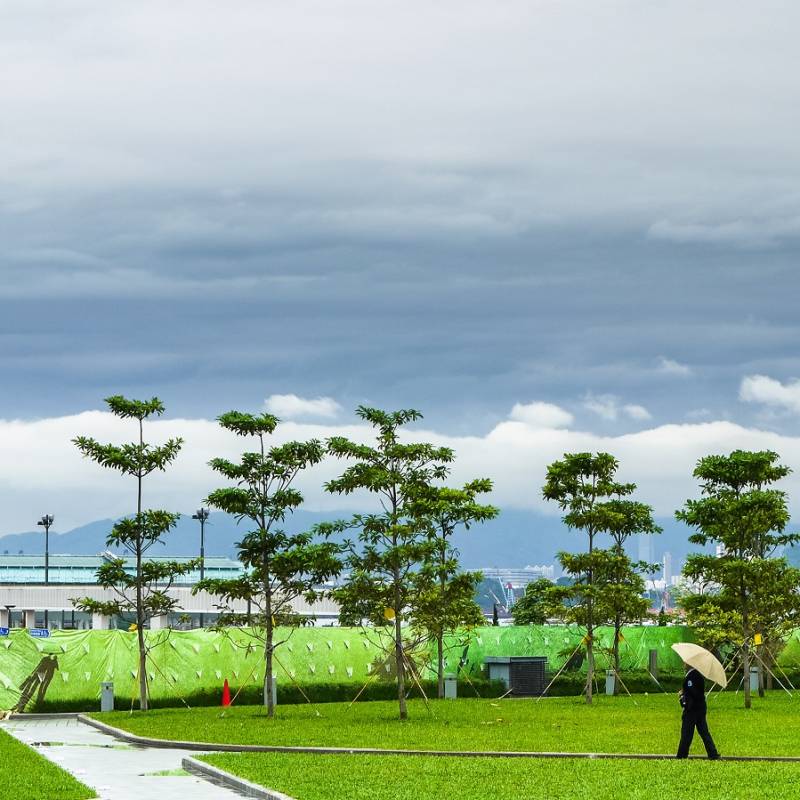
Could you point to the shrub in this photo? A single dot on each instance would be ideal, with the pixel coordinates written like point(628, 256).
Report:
point(288, 694)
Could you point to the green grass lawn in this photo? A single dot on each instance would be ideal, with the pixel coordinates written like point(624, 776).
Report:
point(25, 775)
point(308, 777)
point(648, 724)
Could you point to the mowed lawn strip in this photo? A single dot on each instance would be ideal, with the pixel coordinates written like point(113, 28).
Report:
point(648, 724)
point(26, 775)
point(346, 777)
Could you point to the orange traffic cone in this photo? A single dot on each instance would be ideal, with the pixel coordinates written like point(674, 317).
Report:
point(226, 694)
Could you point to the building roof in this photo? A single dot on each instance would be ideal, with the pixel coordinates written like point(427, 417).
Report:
point(83, 569)
point(82, 562)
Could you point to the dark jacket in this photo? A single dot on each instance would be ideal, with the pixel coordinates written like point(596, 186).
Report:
point(693, 694)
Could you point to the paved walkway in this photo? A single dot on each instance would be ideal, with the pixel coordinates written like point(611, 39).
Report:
point(114, 769)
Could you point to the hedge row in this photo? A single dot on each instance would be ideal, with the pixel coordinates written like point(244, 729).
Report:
point(567, 684)
point(288, 694)
point(639, 682)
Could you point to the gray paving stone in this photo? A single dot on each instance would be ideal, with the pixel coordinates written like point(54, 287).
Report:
point(115, 770)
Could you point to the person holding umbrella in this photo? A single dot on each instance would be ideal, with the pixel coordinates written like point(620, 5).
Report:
point(700, 665)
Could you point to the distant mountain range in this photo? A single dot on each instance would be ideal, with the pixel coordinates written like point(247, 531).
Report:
point(515, 539)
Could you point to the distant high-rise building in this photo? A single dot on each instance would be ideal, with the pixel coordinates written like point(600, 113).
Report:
point(667, 568)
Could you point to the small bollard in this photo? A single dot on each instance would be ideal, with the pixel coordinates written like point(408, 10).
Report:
point(610, 681)
point(450, 687)
point(753, 679)
point(107, 696)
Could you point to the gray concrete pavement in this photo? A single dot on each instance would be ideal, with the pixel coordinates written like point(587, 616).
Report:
point(114, 769)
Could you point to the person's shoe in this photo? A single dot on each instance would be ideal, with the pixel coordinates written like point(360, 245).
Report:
point(714, 757)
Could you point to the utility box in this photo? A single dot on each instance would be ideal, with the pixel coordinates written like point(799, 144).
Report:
point(450, 687)
point(523, 676)
point(753, 679)
point(107, 696)
point(611, 681)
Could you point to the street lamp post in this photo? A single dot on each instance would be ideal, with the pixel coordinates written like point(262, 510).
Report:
point(45, 522)
point(202, 515)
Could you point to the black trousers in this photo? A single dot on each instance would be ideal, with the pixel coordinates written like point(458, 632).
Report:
point(689, 722)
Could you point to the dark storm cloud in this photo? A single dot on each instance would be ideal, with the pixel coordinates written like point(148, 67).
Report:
point(459, 207)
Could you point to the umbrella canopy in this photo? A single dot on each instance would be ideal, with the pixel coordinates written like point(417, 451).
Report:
point(704, 662)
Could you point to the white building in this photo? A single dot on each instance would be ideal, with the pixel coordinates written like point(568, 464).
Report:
point(519, 578)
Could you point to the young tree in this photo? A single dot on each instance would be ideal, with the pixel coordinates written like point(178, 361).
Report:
point(394, 543)
point(534, 607)
point(145, 593)
point(280, 567)
point(746, 519)
point(446, 594)
point(624, 592)
point(715, 626)
point(774, 613)
point(582, 484)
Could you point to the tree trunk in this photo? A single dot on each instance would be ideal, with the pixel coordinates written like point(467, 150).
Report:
point(589, 664)
point(268, 639)
point(590, 630)
point(398, 649)
point(746, 655)
point(440, 632)
point(401, 682)
point(143, 700)
point(440, 663)
point(143, 703)
point(270, 706)
point(617, 633)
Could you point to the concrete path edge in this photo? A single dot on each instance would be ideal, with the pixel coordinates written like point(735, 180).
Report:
point(54, 715)
point(375, 751)
point(217, 775)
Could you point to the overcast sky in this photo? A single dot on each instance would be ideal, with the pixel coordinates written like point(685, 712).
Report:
point(470, 208)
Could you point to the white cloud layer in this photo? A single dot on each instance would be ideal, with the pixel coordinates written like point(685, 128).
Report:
point(42, 472)
point(635, 411)
point(609, 407)
point(770, 392)
point(604, 405)
point(541, 415)
point(290, 406)
point(668, 366)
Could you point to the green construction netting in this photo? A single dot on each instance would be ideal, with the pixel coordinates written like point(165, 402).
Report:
point(558, 643)
point(72, 664)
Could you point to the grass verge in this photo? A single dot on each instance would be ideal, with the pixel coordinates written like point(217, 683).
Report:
point(646, 724)
point(307, 777)
point(26, 775)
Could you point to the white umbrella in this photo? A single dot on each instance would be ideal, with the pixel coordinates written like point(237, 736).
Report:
point(707, 664)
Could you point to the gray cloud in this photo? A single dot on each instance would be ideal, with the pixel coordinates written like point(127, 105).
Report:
point(457, 206)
